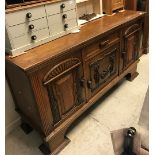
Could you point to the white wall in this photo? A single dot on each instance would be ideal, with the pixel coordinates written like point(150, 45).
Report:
point(12, 119)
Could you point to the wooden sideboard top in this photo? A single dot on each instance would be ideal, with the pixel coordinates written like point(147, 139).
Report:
point(44, 53)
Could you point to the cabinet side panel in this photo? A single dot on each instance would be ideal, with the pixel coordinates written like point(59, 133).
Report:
point(23, 95)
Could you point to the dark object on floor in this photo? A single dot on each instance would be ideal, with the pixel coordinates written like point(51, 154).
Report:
point(26, 128)
point(88, 16)
point(128, 142)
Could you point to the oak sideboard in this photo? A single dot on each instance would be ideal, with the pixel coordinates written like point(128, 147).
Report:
point(54, 83)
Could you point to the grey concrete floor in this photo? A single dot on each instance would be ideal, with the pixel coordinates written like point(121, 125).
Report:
point(90, 134)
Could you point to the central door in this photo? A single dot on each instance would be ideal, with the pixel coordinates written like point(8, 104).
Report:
point(101, 69)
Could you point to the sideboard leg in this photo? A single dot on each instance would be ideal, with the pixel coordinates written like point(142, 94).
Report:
point(45, 149)
point(26, 127)
point(55, 144)
point(132, 75)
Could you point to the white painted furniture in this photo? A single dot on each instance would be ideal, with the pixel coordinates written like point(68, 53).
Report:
point(29, 27)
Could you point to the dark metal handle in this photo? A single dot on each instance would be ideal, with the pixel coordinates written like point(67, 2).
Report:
point(31, 26)
point(29, 15)
point(82, 81)
point(103, 44)
point(66, 26)
point(62, 6)
point(34, 37)
point(64, 16)
point(89, 83)
point(123, 54)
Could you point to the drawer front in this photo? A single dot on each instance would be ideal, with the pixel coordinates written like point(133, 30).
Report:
point(20, 41)
point(101, 44)
point(56, 8)
point(69, 15)
point(17, 30)
point(116, 4)
point(71, 24)
point(16, 17)
point(62, 17)
point(21, 16)
point(27, 38)
point(37, 12)
point(55, 19)
point(41, 34)
point(38, 24)
point(60, 27)
point(56, 28)
point(21, 29)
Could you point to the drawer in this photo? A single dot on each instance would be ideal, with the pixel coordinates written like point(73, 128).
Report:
point(40, 35)
point(71, 24)
point(98, 46)
point(21, 16)
point(27, 38)
point(37, 12)
point(15, 18)
point(21, 29)
point(58, 28)
point(116, 4)
point(62, 17)
point(20, 41)
point(56, 8)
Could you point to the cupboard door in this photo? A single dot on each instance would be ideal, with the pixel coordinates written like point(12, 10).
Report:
point(131, 47)
point(101, 70)
point(65, 92)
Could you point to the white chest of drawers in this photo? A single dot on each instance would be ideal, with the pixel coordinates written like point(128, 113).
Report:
point(29, 27)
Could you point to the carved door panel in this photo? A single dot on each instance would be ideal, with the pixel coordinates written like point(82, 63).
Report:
point(65, 92)
point(130, 52)
point(101, 69)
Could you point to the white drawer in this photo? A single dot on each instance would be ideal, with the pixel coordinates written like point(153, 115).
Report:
point(57, 7)
point(59, 28)
point(70, 15)
point(21, 16)
point(27, 38)
point(15, 18)
point(54, 19)
point(59, 18)
point(41, 34)
point(16, 31)
point(21, 29)
point(71, 24)
point(38, 24)
point(56, 28)
point(20, 41)
point(37, 12)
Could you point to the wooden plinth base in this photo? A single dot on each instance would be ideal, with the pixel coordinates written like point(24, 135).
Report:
point(46, 151)
point(132, 76)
